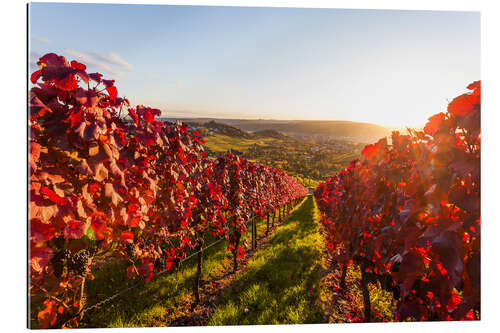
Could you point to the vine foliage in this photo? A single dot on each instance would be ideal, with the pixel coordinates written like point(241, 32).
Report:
point(409, 214)
point(108, 181)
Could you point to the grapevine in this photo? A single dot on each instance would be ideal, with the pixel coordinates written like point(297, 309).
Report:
point(408, 215)
point(131, 188)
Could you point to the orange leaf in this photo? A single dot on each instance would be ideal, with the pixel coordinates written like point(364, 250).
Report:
point(47, 317)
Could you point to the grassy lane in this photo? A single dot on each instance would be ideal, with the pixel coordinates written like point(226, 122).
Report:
point(152, 304)
point(161, 300)
point(281, 283)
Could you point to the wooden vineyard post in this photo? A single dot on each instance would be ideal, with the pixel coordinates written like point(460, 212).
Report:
point(196, 287)
point(82, 298)
point(237, 237)
point(366, 294)
point(254, 235)
point(342, 277)
point(267, 229)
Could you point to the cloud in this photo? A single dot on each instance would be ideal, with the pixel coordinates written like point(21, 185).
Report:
point(38, 39)
point(33, 59)
point(114, 59)
point(88, 59)
point(80, 56)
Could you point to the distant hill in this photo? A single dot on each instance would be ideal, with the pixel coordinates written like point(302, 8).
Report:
point(221, 128)
point(360, 132)
point(332, 129)
point(271, 133)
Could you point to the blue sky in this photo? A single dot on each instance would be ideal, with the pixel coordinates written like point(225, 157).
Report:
point(394, 68)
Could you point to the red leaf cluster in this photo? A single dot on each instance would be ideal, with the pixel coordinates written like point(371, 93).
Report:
point(409, 213)
point(138, 189)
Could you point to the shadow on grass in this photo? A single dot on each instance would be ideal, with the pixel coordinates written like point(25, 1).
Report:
point(151, 303)
point(281, 283)
point(155, 302)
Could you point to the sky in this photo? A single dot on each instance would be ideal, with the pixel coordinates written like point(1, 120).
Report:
point(392, 68)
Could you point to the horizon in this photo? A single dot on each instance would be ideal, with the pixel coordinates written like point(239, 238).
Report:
point(281, 120)
point(270, 63)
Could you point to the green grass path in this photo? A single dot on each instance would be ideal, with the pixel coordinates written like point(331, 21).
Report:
point(154, 303)
point(281, 283)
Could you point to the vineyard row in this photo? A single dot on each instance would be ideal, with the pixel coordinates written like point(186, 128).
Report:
point(139, 190)
point(408, 215)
